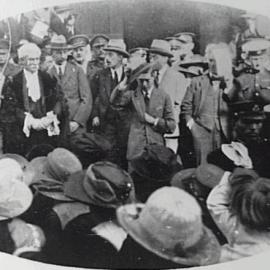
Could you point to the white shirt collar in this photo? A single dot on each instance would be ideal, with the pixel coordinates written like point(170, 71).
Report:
point(32, 84)
point(162, 72)
point(63, 67)
point(119, 72)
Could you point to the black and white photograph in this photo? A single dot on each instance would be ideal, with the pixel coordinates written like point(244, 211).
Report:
point(134, 134)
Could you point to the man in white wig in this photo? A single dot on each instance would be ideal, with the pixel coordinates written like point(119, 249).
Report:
point(34, 103)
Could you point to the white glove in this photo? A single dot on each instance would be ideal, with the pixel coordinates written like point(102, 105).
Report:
point(190, 123)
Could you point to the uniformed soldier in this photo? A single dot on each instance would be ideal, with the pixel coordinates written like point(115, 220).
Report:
point(97, 43)
point(253, 84)
point(80, 51)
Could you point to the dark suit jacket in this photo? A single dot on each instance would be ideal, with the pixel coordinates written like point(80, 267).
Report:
point(104, 86)
point(192, 104)
point(16, 103)
point(142, 133)
point(77, 92)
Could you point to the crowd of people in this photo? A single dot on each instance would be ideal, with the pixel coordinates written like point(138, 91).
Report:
point(148, 158)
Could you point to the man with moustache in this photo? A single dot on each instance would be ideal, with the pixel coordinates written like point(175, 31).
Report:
point(73, 82)
point(113, 122)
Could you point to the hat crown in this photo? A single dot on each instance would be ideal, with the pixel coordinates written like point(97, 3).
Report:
point(58, 40)
point(117, 43)
point(78, 40)
point(256, 45)
point(174, 216)
point(161, 44)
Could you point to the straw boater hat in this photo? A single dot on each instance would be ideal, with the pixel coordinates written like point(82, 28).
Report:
point(161, 47)
point(15, 196)
point(117, 45)
point(58, 43)
point(103, 184)
point(170, 225)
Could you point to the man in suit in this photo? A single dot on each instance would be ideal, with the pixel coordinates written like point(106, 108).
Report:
point(203, 107)
point(72, 80)
point(171, 81)
point(112, 121)
point(35, 104)
point(152, 112)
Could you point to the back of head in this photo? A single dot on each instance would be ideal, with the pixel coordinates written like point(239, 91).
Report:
point(250, 200)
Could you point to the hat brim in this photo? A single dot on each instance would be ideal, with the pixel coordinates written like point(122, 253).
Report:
point(67, 47)
point(22, 199)
point(20, 159)
point(187, 71)
point(195, 63)
point(161, 52)
point(114, 49)
point(138, 71)
point(206, 252)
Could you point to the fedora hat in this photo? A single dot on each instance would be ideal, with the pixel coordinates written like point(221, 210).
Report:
point(170, 225)
point(58, 42)
point(117, 45)
point(15, 197)
point(156, 163)
point(103, 184)
point(78, 41)
point(161, 47)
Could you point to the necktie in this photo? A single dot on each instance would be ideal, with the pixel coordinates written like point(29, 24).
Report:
point(60, 73)
point(115, 77)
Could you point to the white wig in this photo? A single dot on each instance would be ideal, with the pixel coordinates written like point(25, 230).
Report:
point(28, 49)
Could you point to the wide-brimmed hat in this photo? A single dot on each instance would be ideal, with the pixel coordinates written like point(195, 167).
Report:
point(58, 42)
point(98, 40)
point(185, 37)
point(10, 168)
point(15, 197)
point(170, 225)
point(78, 41)
point(161, 47)
point(20, 159)
point(117, 45)
point(103, 184)
point(156, 163)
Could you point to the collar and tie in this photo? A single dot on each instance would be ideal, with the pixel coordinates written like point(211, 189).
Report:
point(60, 72)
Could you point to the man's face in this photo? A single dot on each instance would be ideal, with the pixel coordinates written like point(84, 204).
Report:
point(159, 60)
point(113, 59)
point(248, 130)
point(257, 62)
point(31, 62)
point(147, 83)
point(79, 54)
point(3, 56)
point(137, 58)
point(175, 49)
point(59, 56)
point(47, 63)
point(97, 49)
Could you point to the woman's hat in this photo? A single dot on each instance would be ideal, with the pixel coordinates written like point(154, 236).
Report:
point(170, 225)
point(10, 168)
point(117, 45)
point(15, 197)
point(156, 163)
point(103, 184)
point(23, 162)
point(161, 47)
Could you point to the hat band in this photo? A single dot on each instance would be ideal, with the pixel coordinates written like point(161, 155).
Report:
point(58, 45)
point(160, 50)
point(170, 234)
point(91, 188)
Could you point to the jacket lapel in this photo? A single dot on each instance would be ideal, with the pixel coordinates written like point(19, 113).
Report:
point(138, 102)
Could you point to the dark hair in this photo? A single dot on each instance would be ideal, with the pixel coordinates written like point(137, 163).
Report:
point(250, 201)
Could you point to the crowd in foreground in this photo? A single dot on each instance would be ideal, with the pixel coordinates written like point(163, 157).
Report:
point(148, 158)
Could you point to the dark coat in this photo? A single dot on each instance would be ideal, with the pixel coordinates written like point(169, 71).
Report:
point(16, 103)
